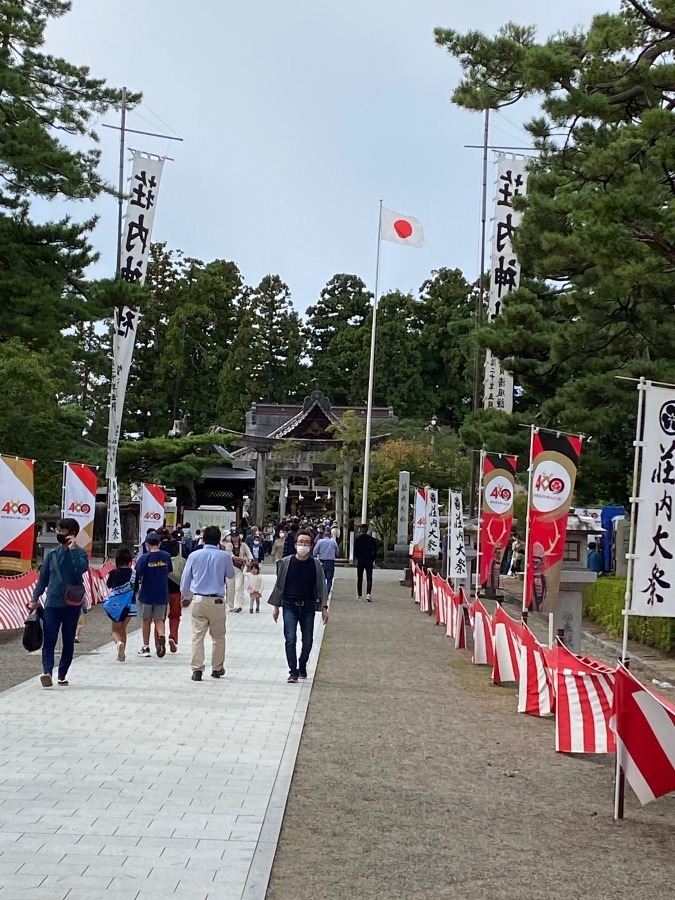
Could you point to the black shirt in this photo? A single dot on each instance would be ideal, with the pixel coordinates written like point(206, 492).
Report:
point(300, 581)
point(119, 577)
point(365, 548)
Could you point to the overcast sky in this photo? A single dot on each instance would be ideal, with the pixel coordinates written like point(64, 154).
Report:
point(297, 118)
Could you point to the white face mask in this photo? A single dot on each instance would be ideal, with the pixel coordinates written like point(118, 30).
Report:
point(302, 550)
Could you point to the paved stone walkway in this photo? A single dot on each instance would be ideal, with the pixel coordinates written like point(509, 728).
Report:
point(135, 782)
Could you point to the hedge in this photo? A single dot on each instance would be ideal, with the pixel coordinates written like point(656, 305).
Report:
point(604, 602)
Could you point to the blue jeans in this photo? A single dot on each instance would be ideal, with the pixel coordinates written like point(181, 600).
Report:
point(304, 617)
point(329, 572)
point(63, 619)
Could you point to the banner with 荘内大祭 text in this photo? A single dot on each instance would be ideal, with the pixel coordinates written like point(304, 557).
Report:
point(146, 173)
point(152, 509)
point(114, 522)
point(17, 514)
point(79, 500)
point(498, 473)
point(124, 337)
point(432, 523)
point(504, 273)
point(653, 589)
point(456, 548)
point(554, 464)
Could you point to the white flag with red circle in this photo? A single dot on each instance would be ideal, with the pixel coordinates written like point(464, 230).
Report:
point(401, 229)
point(152, 509)
point(79, 500)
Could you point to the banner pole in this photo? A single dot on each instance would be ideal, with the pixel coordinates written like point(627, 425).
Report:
point(371, 376)
point(526, 555)
point(479, 519)
point(63, 491)
point(447, 537)
point(619, 779)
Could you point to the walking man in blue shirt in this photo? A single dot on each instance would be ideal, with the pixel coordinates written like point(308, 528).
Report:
point(62, 568)
point(326, 551)
point(203, 585)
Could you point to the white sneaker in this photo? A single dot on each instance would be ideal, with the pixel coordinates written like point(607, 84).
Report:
point(369, 598)
point(144, 651)
point(359, 599)
point(121, 655)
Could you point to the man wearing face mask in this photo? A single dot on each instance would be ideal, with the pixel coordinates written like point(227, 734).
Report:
point(301, 590)
point(61, 576)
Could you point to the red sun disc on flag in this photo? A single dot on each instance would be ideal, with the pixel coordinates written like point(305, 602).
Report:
point(403, 228)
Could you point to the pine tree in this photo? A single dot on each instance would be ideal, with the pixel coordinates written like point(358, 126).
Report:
point(336, 334)
point(42, 265)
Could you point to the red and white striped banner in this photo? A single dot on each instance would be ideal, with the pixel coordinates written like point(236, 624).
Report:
point(17, 591)
point(483, 649)
point(584, 697)
point(644, 724)
point(507, 640)
point(536, 695)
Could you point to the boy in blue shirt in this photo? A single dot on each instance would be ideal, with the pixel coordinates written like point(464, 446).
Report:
point(152, 572)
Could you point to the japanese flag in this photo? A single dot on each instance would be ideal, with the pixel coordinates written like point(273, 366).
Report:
point(401, 229)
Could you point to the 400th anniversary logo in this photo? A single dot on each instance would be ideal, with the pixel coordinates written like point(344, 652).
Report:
point(79, 509)
point(152, 517)
point(15, 508)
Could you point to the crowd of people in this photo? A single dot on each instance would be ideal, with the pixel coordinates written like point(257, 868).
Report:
point(207, 571)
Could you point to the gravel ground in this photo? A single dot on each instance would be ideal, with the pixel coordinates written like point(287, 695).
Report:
point(16, 665)
point(417, 779)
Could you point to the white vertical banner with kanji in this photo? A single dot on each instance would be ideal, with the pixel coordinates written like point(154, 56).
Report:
point(124, 337)
point(653, 589)
point(152, 509)
point(457, 548)
point(137, 232)
point(114, 523)
point(504, 273)
point(432, 524)
point(418, 523)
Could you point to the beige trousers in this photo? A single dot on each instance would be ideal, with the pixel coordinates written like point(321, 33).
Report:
point(207, 615)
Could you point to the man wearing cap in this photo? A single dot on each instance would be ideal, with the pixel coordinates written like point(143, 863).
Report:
point(152, 573)
point(326, 551)
point(365, 552)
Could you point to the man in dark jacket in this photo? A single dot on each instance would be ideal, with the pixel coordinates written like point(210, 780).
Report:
point(300, 590)
point(365, 551)
point(289, 543)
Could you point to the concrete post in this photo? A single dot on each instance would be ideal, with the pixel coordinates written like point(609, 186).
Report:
point(260, 487)
point(403, 512)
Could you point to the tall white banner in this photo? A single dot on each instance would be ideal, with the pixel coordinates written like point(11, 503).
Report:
point(152, 509)
point(114, 524)
point(17, 513)
point(456, 546)
point(418, 524)
point(79, 500)
point(432, 524)
point(137, 232)
point(403, 508)
point(504, 273)
point(653, 591)
point(124, 337)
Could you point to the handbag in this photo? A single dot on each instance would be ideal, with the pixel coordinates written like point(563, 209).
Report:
point(120, 603)
point(73, 594)
point(32, 631)
point(178, 564)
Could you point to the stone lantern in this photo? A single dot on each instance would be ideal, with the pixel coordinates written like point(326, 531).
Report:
point(574, 578)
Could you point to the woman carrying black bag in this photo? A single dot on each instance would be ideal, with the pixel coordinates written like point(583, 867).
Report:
point(61, 576)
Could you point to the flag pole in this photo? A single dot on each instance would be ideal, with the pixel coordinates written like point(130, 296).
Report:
point(526, 555)
point(479, 518)
point(619, 777)
point(63, 492)
point(371, 376)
